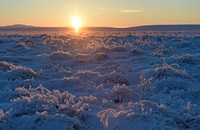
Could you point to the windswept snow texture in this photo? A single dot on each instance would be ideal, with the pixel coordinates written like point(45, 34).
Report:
point(100, 81)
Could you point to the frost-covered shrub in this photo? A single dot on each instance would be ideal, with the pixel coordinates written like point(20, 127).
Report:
point(189, 117)
point(65, 82)
point(55, 48)
point(145, 86)
point(168, 81)
point(159, 39)
point(52, 71)
point(192, 109)
point(111, 63)
point(1, 114)
point(121, 93)
point(168, 84)
point(5, 124)
point(186, 59)
point(94, 46)
point(104, 115)
point(177, 39)
point(164, 71)
point(107, 103)
point(13, 72)
point(33, 100)
point(22, 44)
point(181, 42)
point(119, 49)
point(194, 93)
point(144, 109)
point(23, 73)
point(137, 51)
point(145, 38)
point(7, 89)
point(81, 56)
point(115, 77)
point(48, 122)
point(102, 49)
point(5, 66)
point(89, 99)
point(1, 41)
point(108, 67)
point(53, 40)
point(15, 59)
point(67, 123)
point(61, 55)
point(100, 57)
point(56, 69)
point(160, 50)
point(87, 74)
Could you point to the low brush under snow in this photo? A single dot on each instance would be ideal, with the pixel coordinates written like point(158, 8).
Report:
point(100, 81)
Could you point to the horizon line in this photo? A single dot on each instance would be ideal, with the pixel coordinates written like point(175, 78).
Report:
point(36, 26)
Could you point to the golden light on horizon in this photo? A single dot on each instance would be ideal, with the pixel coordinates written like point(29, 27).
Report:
point(76, 22)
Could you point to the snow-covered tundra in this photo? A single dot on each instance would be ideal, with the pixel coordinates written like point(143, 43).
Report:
point(100, 80)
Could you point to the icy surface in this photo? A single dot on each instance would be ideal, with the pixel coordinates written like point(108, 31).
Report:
point(98, 80)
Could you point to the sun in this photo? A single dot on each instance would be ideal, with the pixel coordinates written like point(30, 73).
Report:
point(76, 22)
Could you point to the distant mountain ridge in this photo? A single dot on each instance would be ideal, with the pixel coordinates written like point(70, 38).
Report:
point(17, 26)
point(137, 28)
point(167, 27)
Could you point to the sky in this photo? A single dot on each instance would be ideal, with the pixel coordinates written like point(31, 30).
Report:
point(99, 13)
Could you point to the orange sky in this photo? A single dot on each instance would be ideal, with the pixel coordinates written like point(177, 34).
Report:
point(113, 13)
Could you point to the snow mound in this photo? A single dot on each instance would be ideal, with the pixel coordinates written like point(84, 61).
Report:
point(61, 56)
point(13, 72)
point(49, 122)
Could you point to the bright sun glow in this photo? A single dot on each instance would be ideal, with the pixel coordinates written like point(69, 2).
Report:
point(76, 22)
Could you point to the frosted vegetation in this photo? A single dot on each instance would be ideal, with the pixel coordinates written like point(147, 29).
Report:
point(98, 80)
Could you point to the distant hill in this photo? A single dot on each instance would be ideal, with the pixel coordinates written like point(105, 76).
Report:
point(149, 28)
point(17, 27)
point(165, 27)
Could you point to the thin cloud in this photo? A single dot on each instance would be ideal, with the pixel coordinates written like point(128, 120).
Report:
point(101, 8)
point(131, 11)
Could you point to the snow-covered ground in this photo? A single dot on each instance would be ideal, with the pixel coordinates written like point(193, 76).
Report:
point(100, 81)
